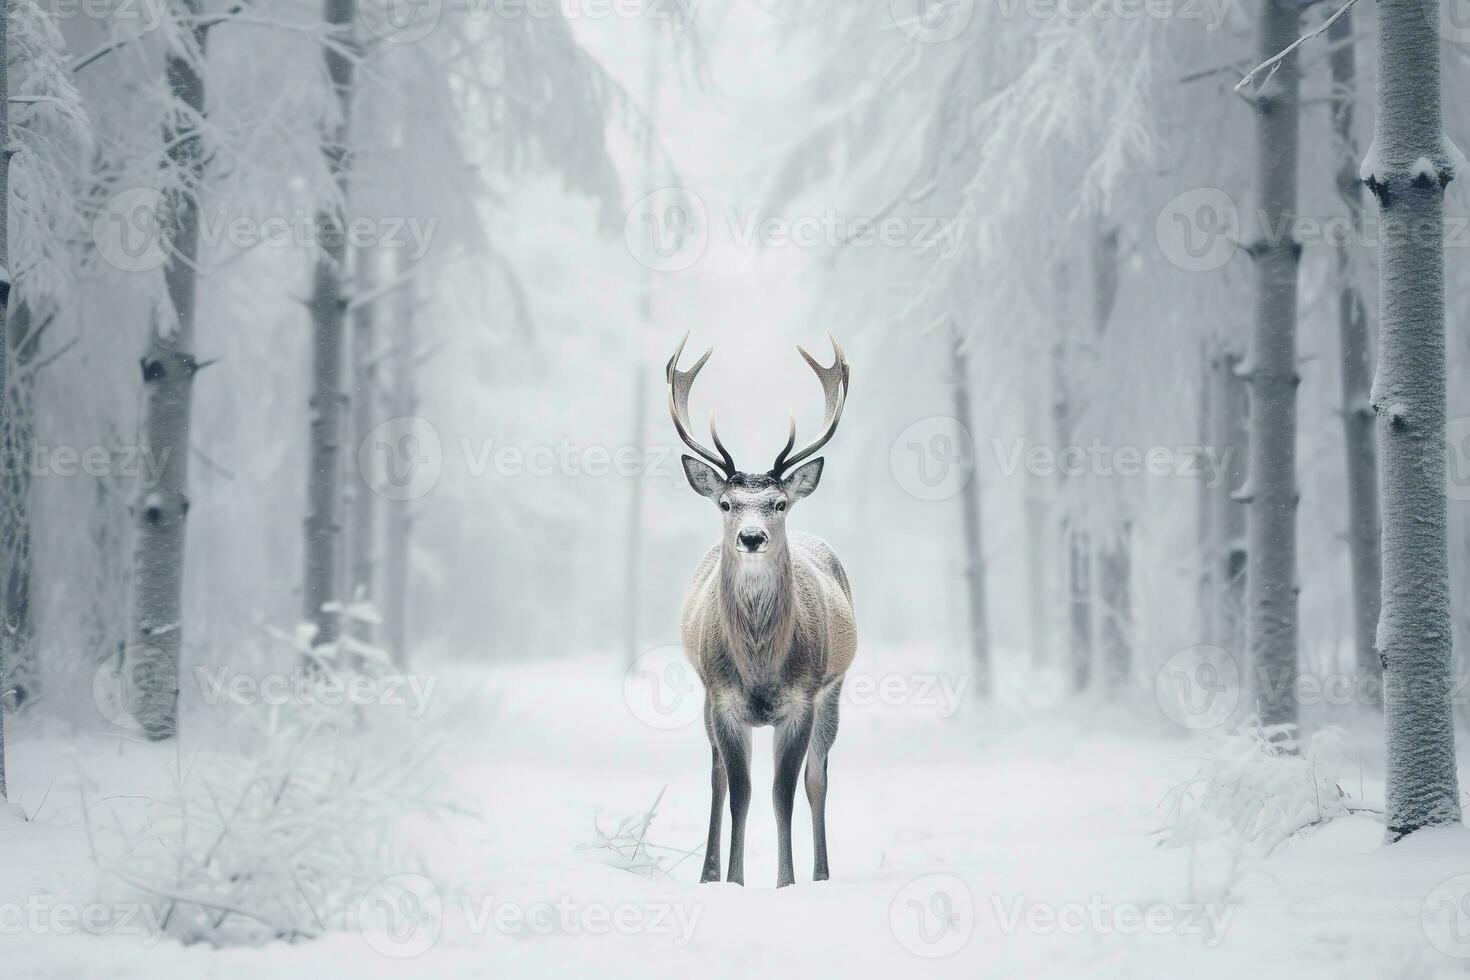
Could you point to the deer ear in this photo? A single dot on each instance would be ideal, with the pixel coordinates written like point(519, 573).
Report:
point(802, 482)
point(702, 477)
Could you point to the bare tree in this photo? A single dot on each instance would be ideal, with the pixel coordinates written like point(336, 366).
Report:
point(1232, 436)
point(1271, 618)
point(168, 367)
point(633, 561)
point(971, 525)
point(1407, 168)
point(398, 514)
point(22, 672)
point(1222, 531)
point(1114, 558)
point(328, 306)
point(4, 271)
point(1353, 343)
point(1038, 525)
point(362, 499)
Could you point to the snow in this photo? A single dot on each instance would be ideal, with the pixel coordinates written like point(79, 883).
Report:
point(1452, 155)
point(1370, 168)
point(1451, 161)
point(1015, 840)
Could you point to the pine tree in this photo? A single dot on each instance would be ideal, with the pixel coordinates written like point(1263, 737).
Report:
point(1407, 167)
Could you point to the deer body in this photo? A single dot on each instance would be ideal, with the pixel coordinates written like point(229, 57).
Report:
point(766, 641)
point(768, 626)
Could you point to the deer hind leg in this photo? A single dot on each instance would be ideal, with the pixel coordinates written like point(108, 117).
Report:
point(733, 740)
point(717, 799)
point(824, 733)
point(792, 739)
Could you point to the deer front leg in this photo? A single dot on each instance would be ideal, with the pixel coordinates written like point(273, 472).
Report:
point(824, 733)
point(734, 743)
point(792, 737)
point(717, 799)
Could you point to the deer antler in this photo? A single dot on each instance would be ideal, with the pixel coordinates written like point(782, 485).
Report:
point(679, 384)
point(834, 388)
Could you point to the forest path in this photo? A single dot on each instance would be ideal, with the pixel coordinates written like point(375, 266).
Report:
point(965, 842)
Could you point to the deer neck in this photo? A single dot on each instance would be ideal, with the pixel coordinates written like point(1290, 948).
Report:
point(757, 607)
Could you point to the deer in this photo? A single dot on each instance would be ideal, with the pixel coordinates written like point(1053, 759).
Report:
point(767, 624)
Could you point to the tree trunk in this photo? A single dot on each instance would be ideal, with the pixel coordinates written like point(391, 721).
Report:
point(328, 310)
point(1406, 169)
point(1038, 534)
point(1074, 537)
point(1271, 619)
point(398, 514)
point(1208, 528)
point(633, 559)
point(1115, 573)
point(1115, 562)
point(1233, 437)
point(363, 540)
point(4, 269)
point(168, 367)
point(971, 527)
point(22, 672)
point(1357, 415)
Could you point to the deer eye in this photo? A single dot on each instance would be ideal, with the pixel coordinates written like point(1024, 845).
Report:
point(780, 505)
point(725, 506)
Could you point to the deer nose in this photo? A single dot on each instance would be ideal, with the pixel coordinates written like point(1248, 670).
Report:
point(752, 539)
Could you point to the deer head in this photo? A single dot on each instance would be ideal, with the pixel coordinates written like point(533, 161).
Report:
point(754, 505)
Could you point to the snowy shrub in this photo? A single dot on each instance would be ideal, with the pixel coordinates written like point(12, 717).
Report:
point(628, 847)
point(279, 826)
point(1259, 787)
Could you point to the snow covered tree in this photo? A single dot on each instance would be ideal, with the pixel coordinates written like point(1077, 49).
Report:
point(4, 280)
point(971, 526)
point(362, 537)
point(168, 369)
point(1352, 318)
point(328, 306)
point(1407, 167)
point(1271, 616)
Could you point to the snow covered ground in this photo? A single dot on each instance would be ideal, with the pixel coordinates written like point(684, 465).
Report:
point(1014, 841)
